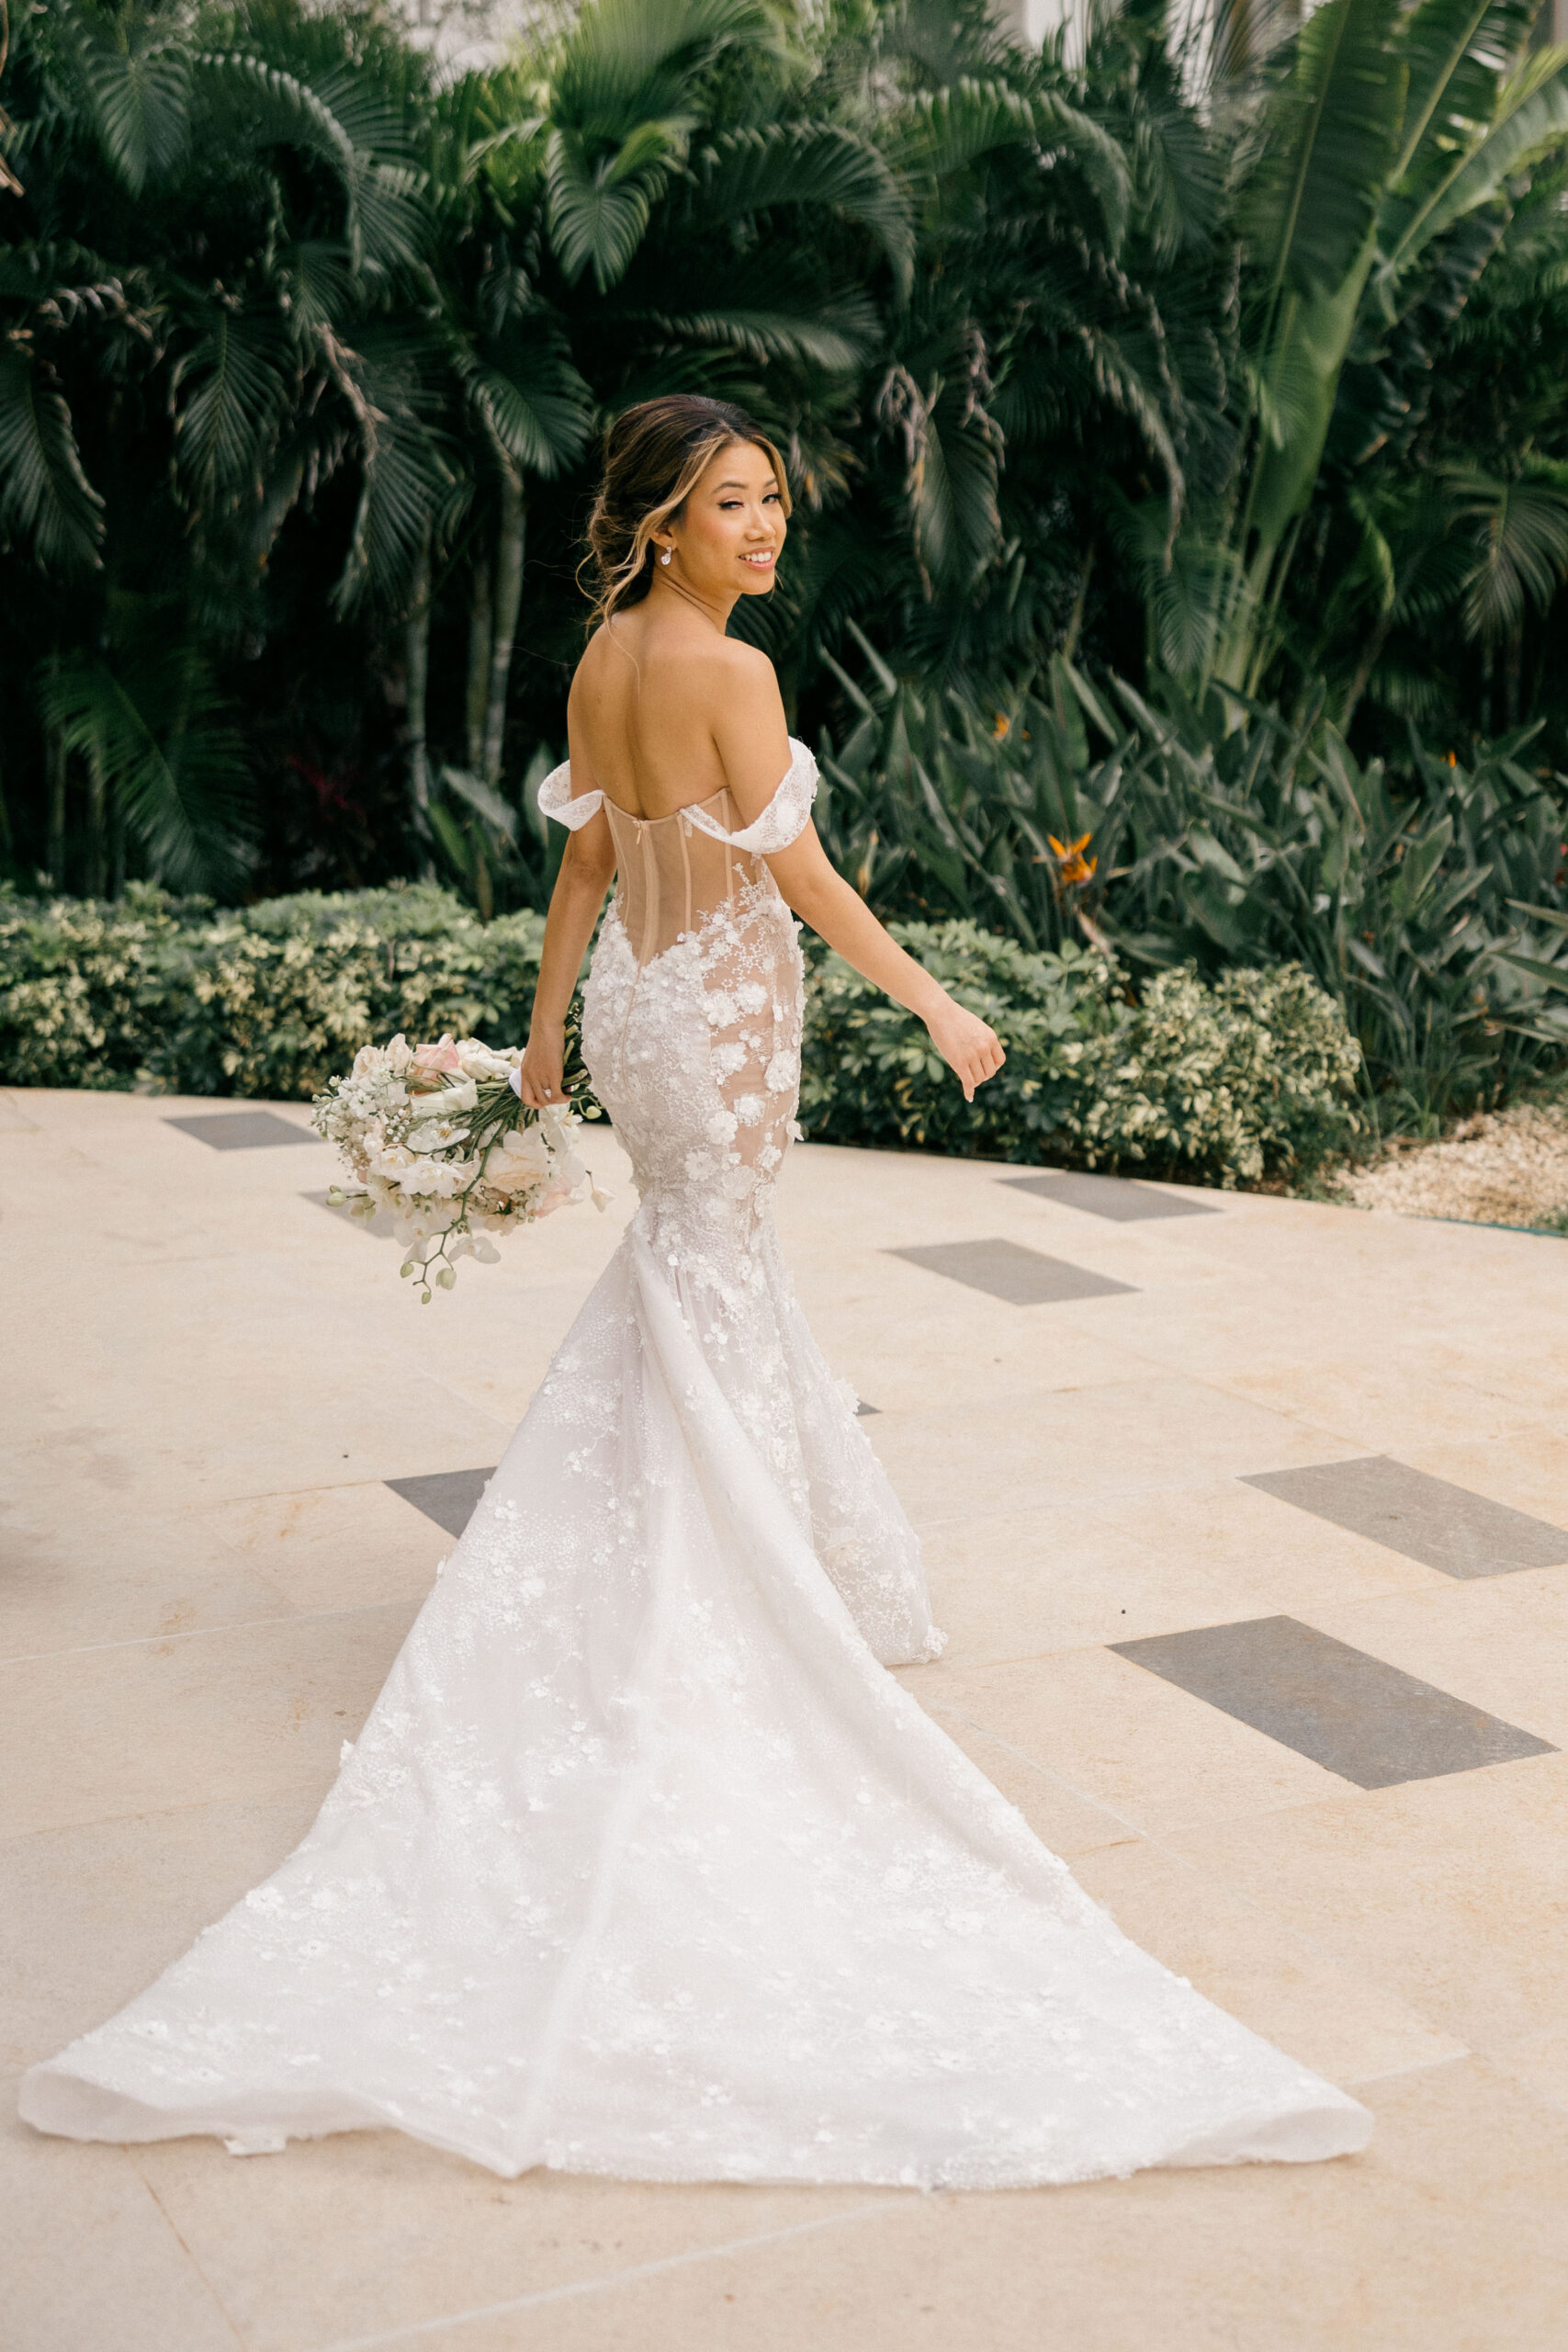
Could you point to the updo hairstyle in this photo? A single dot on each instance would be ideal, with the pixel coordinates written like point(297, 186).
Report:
point(654, 456)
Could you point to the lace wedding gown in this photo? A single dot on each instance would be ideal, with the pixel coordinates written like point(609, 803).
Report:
point(643, 1864)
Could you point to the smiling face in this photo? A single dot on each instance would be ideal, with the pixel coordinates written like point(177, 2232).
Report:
point(727, 536)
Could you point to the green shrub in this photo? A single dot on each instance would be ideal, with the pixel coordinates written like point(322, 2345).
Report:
point(175, 997)
point(1233, 1080)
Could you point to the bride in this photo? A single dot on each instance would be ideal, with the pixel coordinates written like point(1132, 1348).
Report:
point(643, 1864)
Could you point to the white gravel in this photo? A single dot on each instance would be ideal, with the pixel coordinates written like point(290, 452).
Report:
point(1502, 1168)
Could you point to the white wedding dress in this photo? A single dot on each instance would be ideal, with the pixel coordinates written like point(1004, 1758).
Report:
point(643, 1864)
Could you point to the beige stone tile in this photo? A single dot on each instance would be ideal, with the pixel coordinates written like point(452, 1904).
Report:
point(1388, 1399)
point(1015, 1583)
point(1265, 1551)
point(1334, 2020)
point(910, 1361)
point(153, 1148)
point(1540, 2062)
point(249, 1712)
point(1499, 1642)
point(90, 1915)
point(336, 1547)
point(908, 1339)
point(1528, 1472)
point(1452, 1893)
point(197, 1382)
point(57, 1108)
point(1227, 1331)
point(201, 1360)
point(78, 1574)
point(1124, 1739)
point(1061, 1816)
point(1444, 2235)
point(90, 2262)
point(1073, 1446)
point(135, 1221)
point(14, 1119)
point(340, 2239)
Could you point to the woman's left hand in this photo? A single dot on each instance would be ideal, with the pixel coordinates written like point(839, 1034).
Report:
point(972, 1050)
point(544, 1059)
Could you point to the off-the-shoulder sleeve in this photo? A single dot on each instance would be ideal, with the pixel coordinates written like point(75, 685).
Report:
point(555, 800)
point(784, 820)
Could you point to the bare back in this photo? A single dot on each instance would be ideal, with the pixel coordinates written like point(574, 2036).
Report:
point(665, 712)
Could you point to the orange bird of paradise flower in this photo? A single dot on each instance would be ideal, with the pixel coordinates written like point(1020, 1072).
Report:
point(1072, 866)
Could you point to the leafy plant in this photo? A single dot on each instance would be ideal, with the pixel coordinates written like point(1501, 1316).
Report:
point(1231, 836)
point(1232, 1080)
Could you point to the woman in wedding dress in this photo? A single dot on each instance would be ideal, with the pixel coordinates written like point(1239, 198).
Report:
point(643, 1864)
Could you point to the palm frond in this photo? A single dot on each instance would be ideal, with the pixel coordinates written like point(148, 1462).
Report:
point(623, 63)
point(532, 400)
point(1454, 52)
point(752, 170)
point(1329, 133)
point(1520, 531)
point(1531, 121)
point(49, 509)
point(945, 130)
point(229, 391)
point(386, 220)
point(137, 78)
point(599, 208)
point(408, 478)
point(167, 751)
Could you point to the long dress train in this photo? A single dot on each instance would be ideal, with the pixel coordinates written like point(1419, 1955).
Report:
point(642, 1863)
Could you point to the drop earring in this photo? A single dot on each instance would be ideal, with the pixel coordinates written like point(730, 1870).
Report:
point(667, 554)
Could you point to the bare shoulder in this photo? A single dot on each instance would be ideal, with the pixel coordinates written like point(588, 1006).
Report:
point(744, 663)
point(746, 714)
point(594, 654)
point(741, 677)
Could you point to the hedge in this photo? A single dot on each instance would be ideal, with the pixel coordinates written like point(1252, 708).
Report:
point(1235, 1079)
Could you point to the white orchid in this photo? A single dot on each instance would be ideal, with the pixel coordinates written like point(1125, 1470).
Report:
point(521, 1161)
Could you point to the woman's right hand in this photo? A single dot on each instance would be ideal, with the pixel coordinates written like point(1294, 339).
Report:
point(972, 1050)
point(544, 1059)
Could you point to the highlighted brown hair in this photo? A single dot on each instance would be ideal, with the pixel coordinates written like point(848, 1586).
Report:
point(654, 456)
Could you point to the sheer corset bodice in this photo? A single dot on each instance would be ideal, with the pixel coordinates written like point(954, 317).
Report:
point(672, 873)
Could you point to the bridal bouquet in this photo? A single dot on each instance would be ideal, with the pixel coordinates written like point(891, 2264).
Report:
point(439, 1135)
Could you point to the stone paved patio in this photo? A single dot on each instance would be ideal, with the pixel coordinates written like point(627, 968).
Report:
point(209, 1384)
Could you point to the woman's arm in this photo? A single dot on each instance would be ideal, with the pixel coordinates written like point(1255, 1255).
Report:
point(749, 730)
point(586, 871)
point(821, 896)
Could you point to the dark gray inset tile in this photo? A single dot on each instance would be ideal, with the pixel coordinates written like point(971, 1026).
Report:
point(243, 1130)
point(1355, 1716)
point(1113, 1197)
point(1005, 1268)
point(448, 1497)
point(1425, 1517)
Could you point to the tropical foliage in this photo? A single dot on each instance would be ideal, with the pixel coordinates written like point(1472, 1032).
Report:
point(1435, 917)
point(1175, 421)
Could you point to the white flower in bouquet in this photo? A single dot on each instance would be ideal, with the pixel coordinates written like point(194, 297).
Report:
point(437, 1135)
point(521, 1159)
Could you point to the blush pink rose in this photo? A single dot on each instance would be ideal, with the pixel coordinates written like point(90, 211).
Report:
point(431, 1065)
